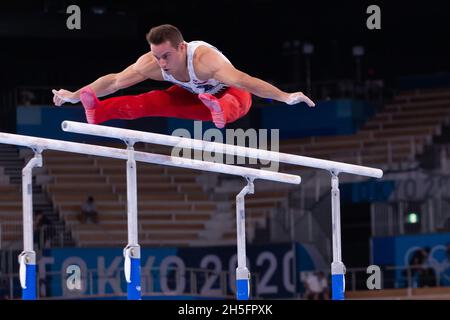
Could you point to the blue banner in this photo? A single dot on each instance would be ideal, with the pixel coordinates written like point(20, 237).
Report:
point(427, 256)
point(177, 272)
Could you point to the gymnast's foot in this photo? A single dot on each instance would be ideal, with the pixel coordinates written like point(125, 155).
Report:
point(90, 102)
point(213, 105)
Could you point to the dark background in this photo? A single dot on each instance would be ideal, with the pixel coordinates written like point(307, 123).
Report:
point(38, 49)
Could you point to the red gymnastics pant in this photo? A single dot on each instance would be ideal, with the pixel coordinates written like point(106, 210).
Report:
point(174, 102)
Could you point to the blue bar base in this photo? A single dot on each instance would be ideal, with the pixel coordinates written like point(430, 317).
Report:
point(29, 293)
point(134, 287)
point(242, 289)
point(337, 286)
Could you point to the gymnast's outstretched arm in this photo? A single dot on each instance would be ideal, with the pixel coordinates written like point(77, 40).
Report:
point(144, 68)
point(216, 67)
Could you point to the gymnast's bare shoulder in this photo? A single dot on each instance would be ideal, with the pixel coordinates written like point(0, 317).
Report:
point(147, 66)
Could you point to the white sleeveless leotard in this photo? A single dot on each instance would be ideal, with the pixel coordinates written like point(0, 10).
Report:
point(195, 85)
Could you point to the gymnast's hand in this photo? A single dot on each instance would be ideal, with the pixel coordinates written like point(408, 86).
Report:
point(297, 97)
point(61, 96)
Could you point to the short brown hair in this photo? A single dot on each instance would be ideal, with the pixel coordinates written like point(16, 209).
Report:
point(163, 33)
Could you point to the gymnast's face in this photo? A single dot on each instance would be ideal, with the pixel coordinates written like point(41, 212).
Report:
point(170, 59)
